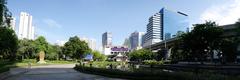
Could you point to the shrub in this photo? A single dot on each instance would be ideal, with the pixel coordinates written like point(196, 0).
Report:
point(146, 74)
point(153, 62)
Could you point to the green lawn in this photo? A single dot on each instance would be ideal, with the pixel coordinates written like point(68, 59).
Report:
point(6, 65)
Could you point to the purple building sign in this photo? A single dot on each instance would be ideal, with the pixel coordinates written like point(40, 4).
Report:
point(120, 49)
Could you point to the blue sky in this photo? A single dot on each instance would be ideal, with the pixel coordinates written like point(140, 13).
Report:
point(61, 19)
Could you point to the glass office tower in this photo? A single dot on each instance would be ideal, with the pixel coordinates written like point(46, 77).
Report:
point(172, 22)
point(165, 25)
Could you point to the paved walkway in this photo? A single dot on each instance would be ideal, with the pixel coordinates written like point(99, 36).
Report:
point(53, 72)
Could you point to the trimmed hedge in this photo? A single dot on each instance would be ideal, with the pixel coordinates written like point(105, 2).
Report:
point(139, 74)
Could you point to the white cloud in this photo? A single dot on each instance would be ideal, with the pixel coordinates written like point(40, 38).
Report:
point(224, 14)
point(52, 23)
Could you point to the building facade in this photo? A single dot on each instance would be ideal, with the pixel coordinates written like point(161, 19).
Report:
point(106, 42)
point(117, 53)
point(172, 23)
point(26, 30)
point(153, 34)
point(164, 25)
point(135, 40)
point(106, 39)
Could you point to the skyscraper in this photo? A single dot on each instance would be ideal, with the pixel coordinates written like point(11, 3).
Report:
point(154, 30)
point(106, 43)
point(173, 22)
point(107, 39)
point(163, 25)
point(26, 30)
point(136, 40)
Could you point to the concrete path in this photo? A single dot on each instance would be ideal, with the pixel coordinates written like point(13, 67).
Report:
point(53, 72)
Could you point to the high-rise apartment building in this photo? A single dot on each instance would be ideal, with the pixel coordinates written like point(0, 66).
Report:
point(26, 30)
point(107, 39)
point(164, 25)
point(136, 40)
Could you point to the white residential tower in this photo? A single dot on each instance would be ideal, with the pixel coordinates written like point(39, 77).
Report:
point(26, 30)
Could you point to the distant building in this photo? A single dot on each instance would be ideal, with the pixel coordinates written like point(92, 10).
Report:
point(136, 40)
point(91, 42)
point(116, 53)
point(106, 42)
point(107, 39)
point(115, 50)
point(164, 25)
point(168, 36)
point(26, 29)
point(119, 53)
point(127, 43)
point(107, 51)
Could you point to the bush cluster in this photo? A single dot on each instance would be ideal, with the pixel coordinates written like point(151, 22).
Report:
point(145, 74)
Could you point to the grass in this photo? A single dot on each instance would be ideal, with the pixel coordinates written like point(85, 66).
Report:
point(6, 65)
point(33, 62)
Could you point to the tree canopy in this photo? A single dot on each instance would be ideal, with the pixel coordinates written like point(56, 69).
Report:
point(201, 41)
point(97, 56)
point(5, 14)
point(141, 54)
point(8, 43)
point(75, 48)
point(26, 49)
point(41, 44)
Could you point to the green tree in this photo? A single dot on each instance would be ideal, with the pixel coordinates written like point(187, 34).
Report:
point(201, 41)
point(5, 14)
point(97, 56)
point(8, 43)
point(8, 38)
point(53, 52)
point(160, 55)
point(26, 49)
point(231, 44)
point(177, 53)
point(228, 50)
point(41, 44)
point(75, 48)
point(141, 54)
